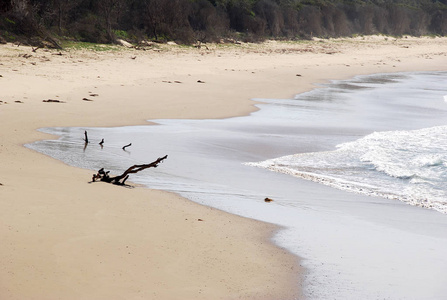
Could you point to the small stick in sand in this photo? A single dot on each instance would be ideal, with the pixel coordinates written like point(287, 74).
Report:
point(128, 145)
point(85, 140)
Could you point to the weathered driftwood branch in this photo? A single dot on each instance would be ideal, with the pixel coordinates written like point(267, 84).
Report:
point(121, 179)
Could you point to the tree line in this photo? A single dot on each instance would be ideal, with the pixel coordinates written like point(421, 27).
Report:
point(189, 21)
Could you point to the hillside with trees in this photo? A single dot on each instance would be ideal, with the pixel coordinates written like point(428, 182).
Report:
point(189, 21)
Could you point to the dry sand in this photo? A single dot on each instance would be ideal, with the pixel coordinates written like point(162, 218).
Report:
point(63, 238)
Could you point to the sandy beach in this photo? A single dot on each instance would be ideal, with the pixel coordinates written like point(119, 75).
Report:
point(63, 238)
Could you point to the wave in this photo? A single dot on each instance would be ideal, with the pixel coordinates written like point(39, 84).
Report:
point(410, 166)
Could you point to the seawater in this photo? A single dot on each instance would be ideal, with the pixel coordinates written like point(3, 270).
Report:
point(410, 166)
point(405, 165)
point(381, 135)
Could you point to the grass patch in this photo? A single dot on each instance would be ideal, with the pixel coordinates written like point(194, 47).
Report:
point(89, 46)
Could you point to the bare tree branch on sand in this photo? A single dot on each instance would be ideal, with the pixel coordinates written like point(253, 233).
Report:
point(121, 179)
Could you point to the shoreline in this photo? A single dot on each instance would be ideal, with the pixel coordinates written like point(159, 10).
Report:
point(213, 98)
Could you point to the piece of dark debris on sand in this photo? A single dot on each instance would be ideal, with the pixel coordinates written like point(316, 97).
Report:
point(53, 101)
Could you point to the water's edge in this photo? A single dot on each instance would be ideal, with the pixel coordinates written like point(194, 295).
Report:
point(301, 205)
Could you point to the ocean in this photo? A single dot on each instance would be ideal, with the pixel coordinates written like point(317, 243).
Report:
point(404, 159)
point(359, 182)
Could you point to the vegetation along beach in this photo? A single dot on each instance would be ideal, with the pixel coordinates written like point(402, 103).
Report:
point(154, 78)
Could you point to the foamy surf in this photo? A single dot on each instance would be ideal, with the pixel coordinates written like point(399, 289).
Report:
point(410, 166)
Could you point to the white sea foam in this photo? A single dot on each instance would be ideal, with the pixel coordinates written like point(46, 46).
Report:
point(410, 166)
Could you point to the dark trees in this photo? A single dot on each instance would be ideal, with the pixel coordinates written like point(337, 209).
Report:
point(109, 10)
point(189, 21)
point(209, 23)
point(163, 20)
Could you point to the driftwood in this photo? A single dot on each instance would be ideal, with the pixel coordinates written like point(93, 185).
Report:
point(121, 179)
point(53, 43)
point(128, 145)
